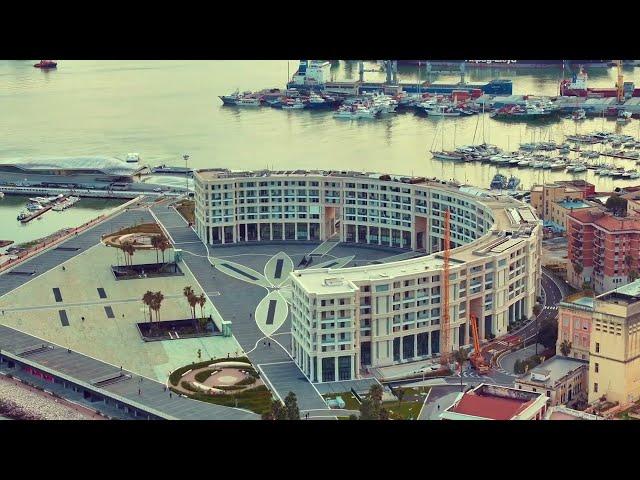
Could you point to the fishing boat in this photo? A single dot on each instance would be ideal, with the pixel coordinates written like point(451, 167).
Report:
point(230, 99)
point(46, 64)
point(524, 163)
point(22, 215)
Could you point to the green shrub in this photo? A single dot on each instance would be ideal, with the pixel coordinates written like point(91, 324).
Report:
point(250, 380)
point(204, 374)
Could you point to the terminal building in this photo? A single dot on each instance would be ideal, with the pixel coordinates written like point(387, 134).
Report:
point(344, 320)
point(78, 171)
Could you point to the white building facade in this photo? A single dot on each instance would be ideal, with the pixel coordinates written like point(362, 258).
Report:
point(347, 319)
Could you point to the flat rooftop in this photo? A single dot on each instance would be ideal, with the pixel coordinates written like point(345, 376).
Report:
point(625, 295)
point(582, 299)
point(571, 204)
point(493, 403)
point(552, 370)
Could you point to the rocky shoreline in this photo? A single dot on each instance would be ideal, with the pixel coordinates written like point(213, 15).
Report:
point(20, 402)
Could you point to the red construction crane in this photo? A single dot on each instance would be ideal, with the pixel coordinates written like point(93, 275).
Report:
point(476, 358)
point(445, 323)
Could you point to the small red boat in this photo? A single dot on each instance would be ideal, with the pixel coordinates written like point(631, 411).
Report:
point(46, 64)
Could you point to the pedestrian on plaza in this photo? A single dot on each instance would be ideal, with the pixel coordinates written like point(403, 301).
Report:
point(164, 388)
point(264, 343)
point(169, 394)
point(63, 269)
point(438, 406)
point(139, 392)
point(269, 344)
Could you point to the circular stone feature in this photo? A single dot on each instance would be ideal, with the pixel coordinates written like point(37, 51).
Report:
point(228, 379)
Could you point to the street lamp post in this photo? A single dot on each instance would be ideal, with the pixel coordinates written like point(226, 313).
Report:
point(186, 173)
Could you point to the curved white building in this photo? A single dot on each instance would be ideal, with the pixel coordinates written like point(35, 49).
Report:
point(347, 319)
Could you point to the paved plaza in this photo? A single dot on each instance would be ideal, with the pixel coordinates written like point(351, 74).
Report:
point(69, 297)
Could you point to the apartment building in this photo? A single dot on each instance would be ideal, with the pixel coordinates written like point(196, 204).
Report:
point(347, 319)
point(602, 249)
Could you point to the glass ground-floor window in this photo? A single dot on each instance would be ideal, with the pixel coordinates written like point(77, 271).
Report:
point(290, 231)
point(407, 346)
point(344, 368)
point(351, 233)
point(276, 231)
point(314, 231)
point(265, 231)
point(435, 342)
point(302, 231)
point(396, 349)
point(423, 344)
point(328, 370)
point(365, 353)
point(228, 234)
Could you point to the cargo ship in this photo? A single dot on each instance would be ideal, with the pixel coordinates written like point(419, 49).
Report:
point(511, 63)
point(315, 76)
point(577, 87)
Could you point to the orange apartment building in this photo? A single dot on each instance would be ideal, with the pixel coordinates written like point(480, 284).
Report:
point(603, 249)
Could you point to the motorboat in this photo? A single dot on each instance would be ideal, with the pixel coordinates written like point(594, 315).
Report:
point(579, 114)
point(498, 182)
point(293, 104)
point(132, 158)
point(448, 156)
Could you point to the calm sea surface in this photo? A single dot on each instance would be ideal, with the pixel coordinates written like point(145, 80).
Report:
point(164, 109)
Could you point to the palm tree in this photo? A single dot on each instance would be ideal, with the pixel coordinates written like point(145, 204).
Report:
point(163, 244)
point(565, 348)
point(147, 299)
point(193, 301)
point(460, 357)
point(202, 300)
point(188, 294)
point(155, 243)
point(128, 249)
point(156, 303)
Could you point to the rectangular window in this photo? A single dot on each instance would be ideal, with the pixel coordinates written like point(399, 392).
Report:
point(597, 367)
point(597, 347)
point(595, 388)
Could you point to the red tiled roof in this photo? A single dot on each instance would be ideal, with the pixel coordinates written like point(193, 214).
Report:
point(606, 221)
point(494, 408)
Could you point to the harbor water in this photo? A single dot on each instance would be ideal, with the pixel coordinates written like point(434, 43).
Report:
point(49, 222)
point(164, 109)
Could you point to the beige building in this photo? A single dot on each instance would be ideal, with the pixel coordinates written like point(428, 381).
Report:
point(543, 197)
point(561, 379)
point(614, 367)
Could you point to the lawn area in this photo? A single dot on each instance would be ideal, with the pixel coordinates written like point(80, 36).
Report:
point(350, 401)
point(411, 404)
point(186, 208)
point(403, 411)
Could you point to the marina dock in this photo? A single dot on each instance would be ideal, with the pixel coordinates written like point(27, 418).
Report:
point(36, 214)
